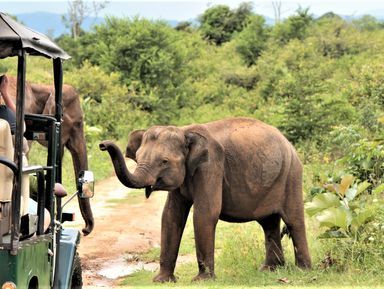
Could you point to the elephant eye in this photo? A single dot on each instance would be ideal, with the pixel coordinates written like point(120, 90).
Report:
point(164, 162)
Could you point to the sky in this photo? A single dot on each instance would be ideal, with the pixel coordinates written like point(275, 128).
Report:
point(190, 9)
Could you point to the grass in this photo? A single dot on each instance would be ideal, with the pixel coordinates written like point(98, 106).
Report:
point(239, 251)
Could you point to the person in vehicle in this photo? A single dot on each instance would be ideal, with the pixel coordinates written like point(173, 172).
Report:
point(7, 107)
point(8, 113)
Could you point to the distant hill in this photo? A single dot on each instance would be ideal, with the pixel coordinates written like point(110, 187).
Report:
point(51, 23)
point(379, 14)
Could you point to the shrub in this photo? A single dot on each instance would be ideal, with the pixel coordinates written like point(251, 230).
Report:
point(252, 40)
point(294, 27)
point(365, 160)
point(352, 214)
point(219, 23)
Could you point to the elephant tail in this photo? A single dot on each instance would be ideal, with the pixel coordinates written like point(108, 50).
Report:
point(285, 231)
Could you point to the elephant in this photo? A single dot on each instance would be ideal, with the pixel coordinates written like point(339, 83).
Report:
point(40, 99)
point(235, 169)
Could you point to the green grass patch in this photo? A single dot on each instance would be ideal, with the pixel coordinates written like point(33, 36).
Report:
point(239, 253)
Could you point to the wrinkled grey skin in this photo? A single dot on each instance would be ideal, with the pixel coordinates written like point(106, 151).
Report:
point(236, 170)
point(40, 99)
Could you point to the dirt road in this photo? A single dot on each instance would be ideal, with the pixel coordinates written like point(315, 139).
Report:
point(126, 223)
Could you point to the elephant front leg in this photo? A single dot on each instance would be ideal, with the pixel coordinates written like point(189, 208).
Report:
point(173, 221)
point(205, 227)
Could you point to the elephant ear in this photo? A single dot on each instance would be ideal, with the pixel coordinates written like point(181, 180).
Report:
point(197, 146)
point(134, 143)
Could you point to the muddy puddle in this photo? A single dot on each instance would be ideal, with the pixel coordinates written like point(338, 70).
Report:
point(130, 264)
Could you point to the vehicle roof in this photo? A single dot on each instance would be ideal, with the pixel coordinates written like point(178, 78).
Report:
point(15, 36)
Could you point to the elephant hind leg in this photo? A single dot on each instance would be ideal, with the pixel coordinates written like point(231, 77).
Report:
point(302, 258)
point(273, 248)
point(293, 216)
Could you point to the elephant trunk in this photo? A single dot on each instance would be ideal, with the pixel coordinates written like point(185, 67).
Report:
point(78, 151)
point(125, 177)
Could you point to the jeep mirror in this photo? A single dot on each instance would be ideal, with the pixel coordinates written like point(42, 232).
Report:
point(86, 184)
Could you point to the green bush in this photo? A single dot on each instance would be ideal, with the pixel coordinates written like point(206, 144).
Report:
point(336, 38)
point(352, 213)
point(219, 23)
point(365, 82)
point(365, 160)
point(294, 27)
point(108, 111)
point(252, 40)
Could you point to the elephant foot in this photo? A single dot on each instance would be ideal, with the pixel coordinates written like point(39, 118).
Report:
point(162, 278)
point(204, 276)
point(305, 265)
point(267, 268)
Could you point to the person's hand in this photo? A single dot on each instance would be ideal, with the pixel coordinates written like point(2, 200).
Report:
point(4, 84)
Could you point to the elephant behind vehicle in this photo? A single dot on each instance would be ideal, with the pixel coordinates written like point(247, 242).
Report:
point(40, 99)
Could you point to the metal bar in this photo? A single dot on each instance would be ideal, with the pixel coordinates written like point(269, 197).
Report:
point(40, 202)
point(51, 174)
point(58, 75)
point(16, 194)
point(32, 169)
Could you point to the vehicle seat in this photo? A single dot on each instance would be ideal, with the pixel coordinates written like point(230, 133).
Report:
point(6, 177)
point(6, 150)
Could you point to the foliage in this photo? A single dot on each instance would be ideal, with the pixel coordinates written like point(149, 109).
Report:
point(336, 38)
point(365, 159)
point(294, 27)
point(140, 49)
point(368, 22)
point(343, 209)
point(219, 23)
point(104, 101)
point(365, 85)
point(184, 26)
point(352, 212)
point(301, 81)
point(252, 40)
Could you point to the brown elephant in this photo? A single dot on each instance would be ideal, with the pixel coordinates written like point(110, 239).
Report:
point(236, 170)
point(40, 99)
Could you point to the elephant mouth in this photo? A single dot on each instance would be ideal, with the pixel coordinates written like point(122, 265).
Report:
point(148, 191)
point(159, 185)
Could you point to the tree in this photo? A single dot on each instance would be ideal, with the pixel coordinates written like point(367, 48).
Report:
point(277, 11)
point(219, 23)
point(151, 58)
point(294, 27)
point(252, 40)
point(184, 26)
point(368, 22)
point(78, 10)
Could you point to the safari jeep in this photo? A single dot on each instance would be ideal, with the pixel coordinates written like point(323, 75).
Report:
point(36, 251)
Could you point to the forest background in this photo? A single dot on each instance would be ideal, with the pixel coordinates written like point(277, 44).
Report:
point(319, 80)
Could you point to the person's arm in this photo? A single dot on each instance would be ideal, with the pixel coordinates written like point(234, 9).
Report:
point(4, 92)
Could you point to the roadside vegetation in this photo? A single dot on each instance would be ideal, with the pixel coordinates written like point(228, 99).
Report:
point(320, 81)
